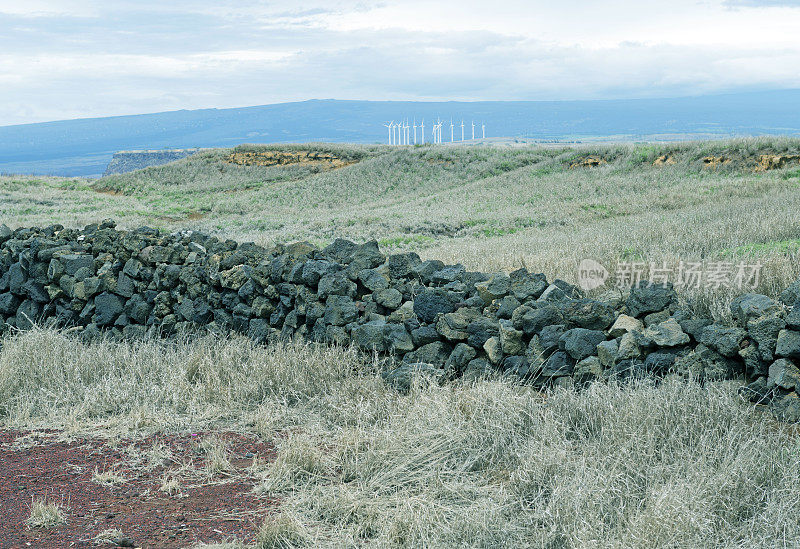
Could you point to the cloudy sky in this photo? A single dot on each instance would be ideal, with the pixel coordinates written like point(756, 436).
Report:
point(83, 58)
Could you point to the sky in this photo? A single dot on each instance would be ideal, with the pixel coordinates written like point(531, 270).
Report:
point(88, 58)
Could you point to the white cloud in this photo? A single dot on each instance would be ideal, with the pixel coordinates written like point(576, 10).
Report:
point(762, 3)
point(82, 58)
point(48, 8)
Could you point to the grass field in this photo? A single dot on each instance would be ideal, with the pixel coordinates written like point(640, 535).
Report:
point(490, 463)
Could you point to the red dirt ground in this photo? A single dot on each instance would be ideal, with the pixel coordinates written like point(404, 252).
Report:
point(214, 510)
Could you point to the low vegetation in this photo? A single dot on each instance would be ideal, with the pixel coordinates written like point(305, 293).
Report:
point(108, 478)
point(46, 514)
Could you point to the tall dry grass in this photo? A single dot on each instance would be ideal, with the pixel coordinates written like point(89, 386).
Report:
point(490, 463)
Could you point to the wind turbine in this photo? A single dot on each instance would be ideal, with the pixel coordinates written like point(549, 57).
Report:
point(389, 126)
point(473, 130)
point(483, 130)
point(408, 136)
point(451, 130)
point(415, 131)
point(462, 129)
point(422, 130)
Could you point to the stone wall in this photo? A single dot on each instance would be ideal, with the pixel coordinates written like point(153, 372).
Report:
point(128, 161)
point(428, 316)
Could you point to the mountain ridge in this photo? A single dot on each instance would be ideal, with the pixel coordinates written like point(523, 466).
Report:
point(84, 147)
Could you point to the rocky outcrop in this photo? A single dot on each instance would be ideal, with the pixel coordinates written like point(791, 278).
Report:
point(322, 160)
point(588, 162)
point(431, 318)
point(713, 162)
point(776, 161)
point(664, 160)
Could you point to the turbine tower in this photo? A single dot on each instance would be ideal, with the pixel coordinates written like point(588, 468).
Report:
point(422, 130)
point(415, 131)
point(390, 125)
point(462, 129)
point(451, 130)
point(483, 130)
point(408, 135)
point(473, 130)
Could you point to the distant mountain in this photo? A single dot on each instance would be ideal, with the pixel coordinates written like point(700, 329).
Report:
point(85, 146)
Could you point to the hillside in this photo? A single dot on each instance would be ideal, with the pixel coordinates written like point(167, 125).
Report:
point(84, 147)
point(489, 208)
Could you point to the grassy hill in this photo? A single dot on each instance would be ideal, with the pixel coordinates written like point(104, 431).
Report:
point(491, 208)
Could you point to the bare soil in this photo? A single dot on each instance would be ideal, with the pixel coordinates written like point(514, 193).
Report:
point(207, 508)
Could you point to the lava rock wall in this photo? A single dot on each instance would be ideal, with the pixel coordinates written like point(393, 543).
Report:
point(440, 319)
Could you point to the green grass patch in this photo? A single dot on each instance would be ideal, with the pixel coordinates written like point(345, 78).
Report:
point(403, 241)
point(469, 223)
point(500, 231)
point(631, 254)
point(791, 174)
point(644, 154)
point(785, 247)
point(600, 210)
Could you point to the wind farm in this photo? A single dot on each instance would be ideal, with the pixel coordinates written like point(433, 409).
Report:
point(405, 134)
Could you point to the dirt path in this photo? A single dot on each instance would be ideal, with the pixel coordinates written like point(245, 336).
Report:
point(201, 508)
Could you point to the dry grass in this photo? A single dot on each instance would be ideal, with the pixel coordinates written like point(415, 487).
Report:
point(108, 478)
point(482, 464)
point(110, 536)
point(170, 485)
point(146, 386)
point(217, 456)
point(281, 531)
point(493, 464)
point(46, 514)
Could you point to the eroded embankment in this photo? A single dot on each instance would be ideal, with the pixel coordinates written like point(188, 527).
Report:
point(441, 319)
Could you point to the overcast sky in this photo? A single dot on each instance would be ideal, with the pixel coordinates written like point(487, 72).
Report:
point(86, 58)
